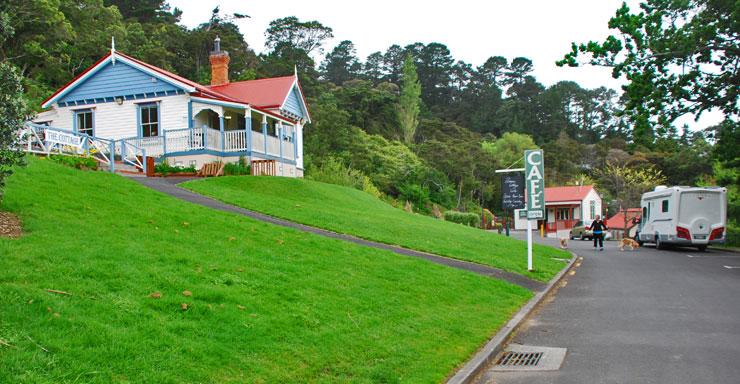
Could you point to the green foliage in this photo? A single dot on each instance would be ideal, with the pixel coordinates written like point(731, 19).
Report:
point(628, 183)
point(678, 57)
point(341, 63)
point(13, 113)
point(466, 218)
point(409, 102)
point(304, 35)
point(333, 171)
point(166, 169)
point(259, 294)
point(78, 162)
point(239, 168)
point(509, 148)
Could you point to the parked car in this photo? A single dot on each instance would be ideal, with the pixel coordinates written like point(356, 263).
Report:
point(579, 231)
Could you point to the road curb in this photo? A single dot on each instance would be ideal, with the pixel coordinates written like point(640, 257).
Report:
point(469, 372)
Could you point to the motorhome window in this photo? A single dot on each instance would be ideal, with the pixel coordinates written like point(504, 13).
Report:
point(649, 204)
point(664, 208)
point(644, 213)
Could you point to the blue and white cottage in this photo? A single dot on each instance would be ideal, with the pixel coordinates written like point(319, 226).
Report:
point(126, 108)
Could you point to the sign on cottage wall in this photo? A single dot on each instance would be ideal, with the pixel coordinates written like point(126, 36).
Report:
point(56, 137)
point(534, 169)
point(512, 190)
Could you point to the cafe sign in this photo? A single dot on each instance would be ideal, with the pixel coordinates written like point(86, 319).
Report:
point(534, 171)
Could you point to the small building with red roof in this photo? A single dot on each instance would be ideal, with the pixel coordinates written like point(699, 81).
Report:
point(136, 108)
point(624, 221)
point(565, 207)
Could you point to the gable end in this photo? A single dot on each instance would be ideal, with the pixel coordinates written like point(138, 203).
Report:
point(117, 80)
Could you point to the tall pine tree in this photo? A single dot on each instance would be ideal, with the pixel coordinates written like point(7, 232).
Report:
point(409, 101)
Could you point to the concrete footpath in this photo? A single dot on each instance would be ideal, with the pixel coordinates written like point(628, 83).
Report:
point(647, 316)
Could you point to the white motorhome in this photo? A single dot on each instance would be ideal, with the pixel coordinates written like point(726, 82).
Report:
point(684, 216)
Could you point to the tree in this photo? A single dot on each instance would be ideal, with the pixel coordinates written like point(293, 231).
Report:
point(13, 114)
point(409, 101)
point(146, 11)
point(305, 35)
point(341, 64)
point(509, 149)
point(393, 59)
point(493, 71)
point(435, 66)
point(678, 57)
point(519, 69)
point(627, 183)
point(373, 68)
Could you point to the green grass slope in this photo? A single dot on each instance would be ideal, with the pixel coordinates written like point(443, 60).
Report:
point(268, 304)
point(354, 212)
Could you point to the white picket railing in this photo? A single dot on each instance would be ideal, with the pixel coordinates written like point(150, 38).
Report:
point(183, 140)
point(154, 145)
point(235, 141)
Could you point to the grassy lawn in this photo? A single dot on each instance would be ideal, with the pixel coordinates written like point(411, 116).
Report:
point(268, 304)
point(354, 212)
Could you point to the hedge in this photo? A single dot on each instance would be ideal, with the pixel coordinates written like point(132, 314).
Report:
point(465, 218)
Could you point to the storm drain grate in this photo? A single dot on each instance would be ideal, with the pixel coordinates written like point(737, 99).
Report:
point(519, 359)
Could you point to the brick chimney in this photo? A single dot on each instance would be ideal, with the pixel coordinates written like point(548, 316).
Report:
point(219, 64)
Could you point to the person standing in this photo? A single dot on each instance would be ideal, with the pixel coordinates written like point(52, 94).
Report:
point(598, 227)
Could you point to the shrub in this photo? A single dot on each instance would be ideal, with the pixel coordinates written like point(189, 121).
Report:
point(416, 194)
point(239, 168)
point(333, 171)
point(465, 218)
point(489, 218)
point(166, 169)
point(79, 162)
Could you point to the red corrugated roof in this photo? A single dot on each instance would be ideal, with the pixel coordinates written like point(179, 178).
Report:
point(264, 93)
point(617, 221)
point(569, 193)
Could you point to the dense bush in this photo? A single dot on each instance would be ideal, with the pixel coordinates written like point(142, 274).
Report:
point(239, 168)
point(79, 162)
point(166, 169)
point(333, 171)
point(465, 218)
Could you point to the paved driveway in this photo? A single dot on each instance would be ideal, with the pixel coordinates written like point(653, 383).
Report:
point(647, 316)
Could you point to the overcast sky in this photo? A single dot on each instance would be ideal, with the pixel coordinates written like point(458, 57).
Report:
point(541, 30)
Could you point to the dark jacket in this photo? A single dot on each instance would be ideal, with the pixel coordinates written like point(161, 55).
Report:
point(598, 226)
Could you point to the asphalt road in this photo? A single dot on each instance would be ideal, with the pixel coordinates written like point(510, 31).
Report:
point(647, 316)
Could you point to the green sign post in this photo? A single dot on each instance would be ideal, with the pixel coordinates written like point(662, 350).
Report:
point(534, 171)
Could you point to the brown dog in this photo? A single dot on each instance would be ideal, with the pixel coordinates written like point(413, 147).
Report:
point(564, 242)
point(627, 242)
